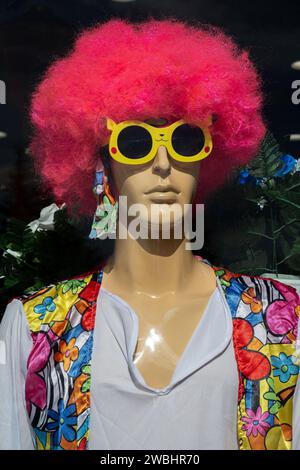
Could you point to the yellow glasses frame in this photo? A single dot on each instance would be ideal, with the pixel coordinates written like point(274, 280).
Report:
point(156, 134)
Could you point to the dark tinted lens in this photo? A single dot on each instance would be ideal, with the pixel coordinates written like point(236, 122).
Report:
point(188, 140)
point(134, 142)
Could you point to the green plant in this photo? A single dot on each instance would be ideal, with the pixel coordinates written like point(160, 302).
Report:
point(33, 259)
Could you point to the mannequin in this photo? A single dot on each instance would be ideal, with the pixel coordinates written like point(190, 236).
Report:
point(160, 294)
point(70, 344)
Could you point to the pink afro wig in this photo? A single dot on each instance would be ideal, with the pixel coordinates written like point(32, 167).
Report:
point(155, 68)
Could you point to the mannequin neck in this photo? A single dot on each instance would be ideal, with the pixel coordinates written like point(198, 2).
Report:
point(151, 265)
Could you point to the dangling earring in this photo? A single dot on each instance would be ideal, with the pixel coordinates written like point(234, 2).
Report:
point(105, 218)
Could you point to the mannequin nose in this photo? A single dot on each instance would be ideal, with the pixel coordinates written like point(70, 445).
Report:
point(161, 161)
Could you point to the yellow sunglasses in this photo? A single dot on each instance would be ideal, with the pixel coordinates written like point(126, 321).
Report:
point(136, 142)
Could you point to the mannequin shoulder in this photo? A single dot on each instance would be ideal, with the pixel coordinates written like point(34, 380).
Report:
point(264, 287)
point(264, 301)
point(52, 302)
point(271, 289)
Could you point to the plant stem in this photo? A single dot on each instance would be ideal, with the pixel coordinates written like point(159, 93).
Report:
point(283, 199)
point(260, 234)
point(292, 187)
point(284, 259)
point(274, 247)
point(285, 225)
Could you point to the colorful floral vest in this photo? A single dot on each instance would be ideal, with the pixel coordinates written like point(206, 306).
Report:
point(61, 319)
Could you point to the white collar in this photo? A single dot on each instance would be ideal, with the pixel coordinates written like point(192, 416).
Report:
point(210, 338)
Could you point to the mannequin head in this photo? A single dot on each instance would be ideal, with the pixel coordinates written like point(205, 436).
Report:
point(196, 72)
point(163, 181)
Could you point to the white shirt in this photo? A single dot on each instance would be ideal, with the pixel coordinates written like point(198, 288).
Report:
point(197, 410)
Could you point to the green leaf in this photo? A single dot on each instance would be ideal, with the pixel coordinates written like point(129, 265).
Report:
point(86, 385)
point(271, 396)
point(274, 408)
point(270, 382)
point(267, 161)
point(86, 369)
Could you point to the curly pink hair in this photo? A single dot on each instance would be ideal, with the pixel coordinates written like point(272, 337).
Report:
point(155, 68)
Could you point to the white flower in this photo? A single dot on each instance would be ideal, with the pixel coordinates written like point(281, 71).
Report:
point(262, 202)
point(46, 219)
point(15, 254)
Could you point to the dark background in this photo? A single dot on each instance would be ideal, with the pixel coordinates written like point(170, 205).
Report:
point(34, 32)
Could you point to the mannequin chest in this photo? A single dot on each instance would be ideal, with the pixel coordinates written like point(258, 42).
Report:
point(165, 326)
point(166, 322)
point(165, 329)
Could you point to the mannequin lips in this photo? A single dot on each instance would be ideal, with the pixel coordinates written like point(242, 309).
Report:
point(163, 198)
point(163, 194)
point(167, 188)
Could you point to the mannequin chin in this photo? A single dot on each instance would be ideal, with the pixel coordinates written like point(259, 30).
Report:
point(157, 191)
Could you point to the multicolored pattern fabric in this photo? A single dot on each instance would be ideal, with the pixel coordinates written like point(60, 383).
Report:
point(105, 218)
point(61, 318)
point(265, 316)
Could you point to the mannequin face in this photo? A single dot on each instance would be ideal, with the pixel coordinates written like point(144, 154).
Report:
point(162, 182)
